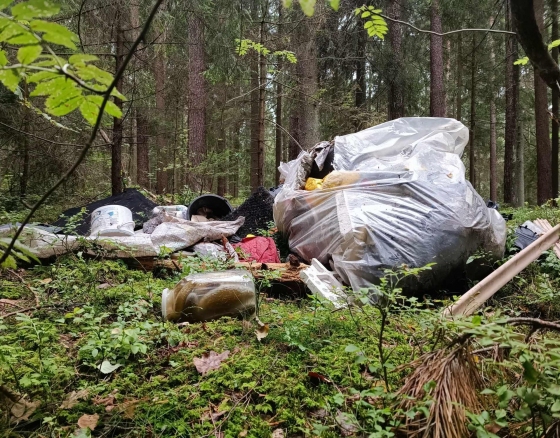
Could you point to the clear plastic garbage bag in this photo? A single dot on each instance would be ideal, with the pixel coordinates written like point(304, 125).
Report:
point(398, 195)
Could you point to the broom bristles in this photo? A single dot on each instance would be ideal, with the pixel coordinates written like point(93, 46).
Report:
point(457, 382)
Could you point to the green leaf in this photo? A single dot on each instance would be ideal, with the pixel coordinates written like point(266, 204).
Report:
point(23, 38)
point(28, 54)
point(553, 389)
point(366, 14)
point(554, 44)
point(11, 30)
point(351, 348)
point(335, 4)
point(55, 33)
point(42, 76)
point(556, 406)
point(308, 7)
point(118, 94)
point(9, 263)
point(476, 320)
point(90, 111)
point(67, 106)
point(82, 58)
point(46, 88)
point(521, 61)
point(287, 3)
point(3, 58)
point(487, 391)
point(10, 79)
point(93, 73)
point(530, 374)
point(5, 3)
point(34, 9)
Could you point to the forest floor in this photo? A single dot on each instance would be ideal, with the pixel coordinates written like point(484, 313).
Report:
point(84, 341)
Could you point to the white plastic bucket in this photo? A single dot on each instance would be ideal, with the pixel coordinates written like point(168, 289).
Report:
point(112, 220)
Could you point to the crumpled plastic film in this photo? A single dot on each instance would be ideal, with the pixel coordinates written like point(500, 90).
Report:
point(398, 195)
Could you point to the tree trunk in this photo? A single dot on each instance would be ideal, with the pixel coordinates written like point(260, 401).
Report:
point(519, 195)
point(306, 74)
point(23, 182)
point(161, 128)
point(143, 153)
point(459, 104)
point(279, 132)
point(544, 168)
point(437, 88)
point(511, 130)
point(554, 18)
point(196, 97)
point(360, 90)
point(493, 156)
point(221, 189)
point(116, 147)
point(472, 163)
point(295, 137)
point(396, 94)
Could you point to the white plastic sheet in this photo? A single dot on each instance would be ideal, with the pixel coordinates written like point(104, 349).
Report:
point(398, 196)
point(174, 235)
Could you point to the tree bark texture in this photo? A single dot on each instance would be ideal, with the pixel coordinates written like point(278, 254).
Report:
point(396, 86)
point(459, 102)
point(116, 147)
point(437, 88)
point(278, 132)
point(544, 168)
point(161, 137)
point(511, 130)
point(360, 90)
point(472, 133)
point(555, 95)
point(493, 151)
point(519, 195)
point(196, 98)
point(142, 147)
point(306, 103)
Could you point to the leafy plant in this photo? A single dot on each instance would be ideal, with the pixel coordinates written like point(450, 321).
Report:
point(375, 24)
point(66, 84)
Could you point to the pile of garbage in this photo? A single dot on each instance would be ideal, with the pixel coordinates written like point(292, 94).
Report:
point(391, 195)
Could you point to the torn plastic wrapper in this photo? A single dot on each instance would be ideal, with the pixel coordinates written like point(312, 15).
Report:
point(173, 235)
point(398, 196)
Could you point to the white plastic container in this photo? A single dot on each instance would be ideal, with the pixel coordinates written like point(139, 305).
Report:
point(111, 221)
point(323, 283)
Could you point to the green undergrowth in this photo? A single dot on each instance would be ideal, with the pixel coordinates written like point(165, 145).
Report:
point(84, 342)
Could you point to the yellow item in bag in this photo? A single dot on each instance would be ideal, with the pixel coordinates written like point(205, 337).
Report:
point(341, 178)
point(313, 184)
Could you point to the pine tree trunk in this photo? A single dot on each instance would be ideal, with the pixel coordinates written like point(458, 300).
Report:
point(554, 37)
point(437, 88)
point(279, 133)
point(510, 135)
point(307, 74)
point(360, 91)
point(295, 137)
point(459, 103)
point(24, 179)
point(116, 147)
point(493, 151)
point(221, 189)
point(519, 198)
point(161, 143)
point(472, 143)
point(142, 148)
point(544, 168)
point(396, 94)
point(255, 179)
point(196, 98)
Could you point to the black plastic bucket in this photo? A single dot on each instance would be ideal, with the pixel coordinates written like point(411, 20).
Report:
point(220, 206)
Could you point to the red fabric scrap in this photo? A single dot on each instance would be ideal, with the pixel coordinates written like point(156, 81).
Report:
point(258, 249)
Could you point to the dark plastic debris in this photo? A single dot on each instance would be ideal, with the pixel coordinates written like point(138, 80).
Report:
point(257, 211)
point(524, 237)
point(209, 206)
point(132, 199)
